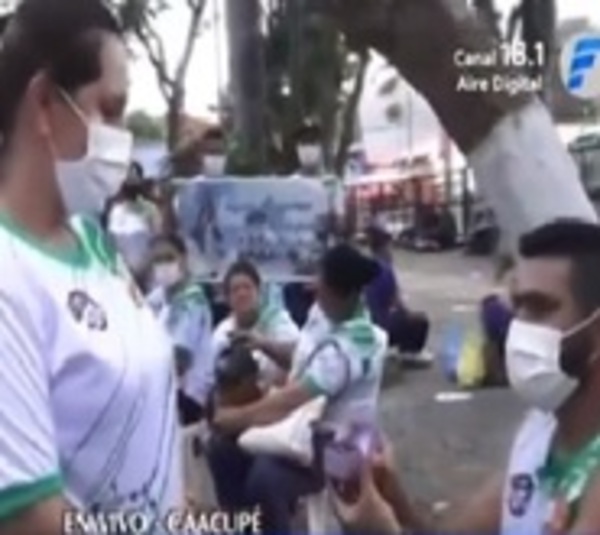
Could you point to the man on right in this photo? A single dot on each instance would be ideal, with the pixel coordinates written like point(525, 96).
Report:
point(552, 481)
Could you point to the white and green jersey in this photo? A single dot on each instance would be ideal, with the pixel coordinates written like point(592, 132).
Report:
point(342, 362)
point(87, 383)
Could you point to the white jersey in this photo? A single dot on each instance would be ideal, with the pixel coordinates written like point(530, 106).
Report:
point(87, 384)
point(526, 506)
point(342, 362)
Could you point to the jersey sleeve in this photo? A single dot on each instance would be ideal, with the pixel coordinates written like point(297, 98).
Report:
point(328, 372)
point(29, 468)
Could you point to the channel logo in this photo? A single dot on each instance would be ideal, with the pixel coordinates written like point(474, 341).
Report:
point(580, 65)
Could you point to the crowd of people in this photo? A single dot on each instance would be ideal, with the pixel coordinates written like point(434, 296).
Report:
point(110, 346)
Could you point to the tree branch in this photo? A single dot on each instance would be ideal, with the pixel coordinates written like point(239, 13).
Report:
point(349, 113)
point(153, 45)
point(197, 10)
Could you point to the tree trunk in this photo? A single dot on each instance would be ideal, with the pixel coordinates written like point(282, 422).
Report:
point(246, 67)
point(419, 38)
point(174, 111)
point(349, 116)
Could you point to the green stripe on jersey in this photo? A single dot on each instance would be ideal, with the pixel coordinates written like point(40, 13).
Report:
point(190, 295)
point(74, 254)
point(15, 500)
point(97, 243)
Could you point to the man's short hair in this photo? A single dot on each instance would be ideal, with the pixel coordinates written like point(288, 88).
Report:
point(577, 241)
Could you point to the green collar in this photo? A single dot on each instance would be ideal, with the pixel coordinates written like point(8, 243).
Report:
point(358, 329)
point(75, 255)
point(568, 475)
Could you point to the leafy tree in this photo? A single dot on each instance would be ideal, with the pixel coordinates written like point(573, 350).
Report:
point(140, 18)
point(312, 74)
point(146, 127)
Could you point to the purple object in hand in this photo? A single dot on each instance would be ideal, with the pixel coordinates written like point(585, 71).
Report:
point(343, 459)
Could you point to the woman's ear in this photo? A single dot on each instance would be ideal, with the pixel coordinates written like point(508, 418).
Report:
point(40, 94)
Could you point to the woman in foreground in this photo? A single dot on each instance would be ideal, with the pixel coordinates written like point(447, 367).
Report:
point(87, 389)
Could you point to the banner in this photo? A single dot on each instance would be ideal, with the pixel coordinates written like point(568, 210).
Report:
point(280, 224)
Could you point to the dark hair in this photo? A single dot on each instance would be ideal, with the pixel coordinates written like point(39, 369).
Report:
point(62, 37)
point(308, 133)
point(579, 242)
point(214, 134)
point(174, 240)
point(346, 271)
point(234, 365)
point(242, 267)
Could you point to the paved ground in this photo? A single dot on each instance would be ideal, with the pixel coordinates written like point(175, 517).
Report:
point(446, 449)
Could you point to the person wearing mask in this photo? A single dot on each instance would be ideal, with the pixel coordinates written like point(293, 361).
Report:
point(339, 355)
point(308, 148)
point(181, 306)
point(214, 160)
point(551, 483)
point(299, 296)
point(252, 315)
point(87, 395)
point(132, 221)
point(408, 330)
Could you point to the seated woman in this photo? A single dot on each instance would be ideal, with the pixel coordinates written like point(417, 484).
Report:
point(408, 330)
point(339, 356)
point(252, 314)
point(180, 304)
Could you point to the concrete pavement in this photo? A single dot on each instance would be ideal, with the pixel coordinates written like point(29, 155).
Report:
point(445, 450)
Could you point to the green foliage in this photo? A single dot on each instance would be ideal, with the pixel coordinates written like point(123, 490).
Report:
point(311, 75)
point(242, 160)
point(146, 127)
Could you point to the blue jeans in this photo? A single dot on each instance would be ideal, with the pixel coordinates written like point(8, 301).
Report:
point(273, 485)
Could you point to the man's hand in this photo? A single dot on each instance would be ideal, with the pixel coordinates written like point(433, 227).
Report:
point(370, 513)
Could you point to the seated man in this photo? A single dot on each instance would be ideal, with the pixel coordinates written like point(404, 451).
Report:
point(407, 330)
point(237, 378)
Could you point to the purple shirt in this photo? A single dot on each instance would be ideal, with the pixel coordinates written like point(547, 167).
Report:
point(381, 294)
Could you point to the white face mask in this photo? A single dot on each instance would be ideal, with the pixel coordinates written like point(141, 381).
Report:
point(214, 164)
point(533, 354)
point(88, 183)
point(309, 155)
point(167, 274)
